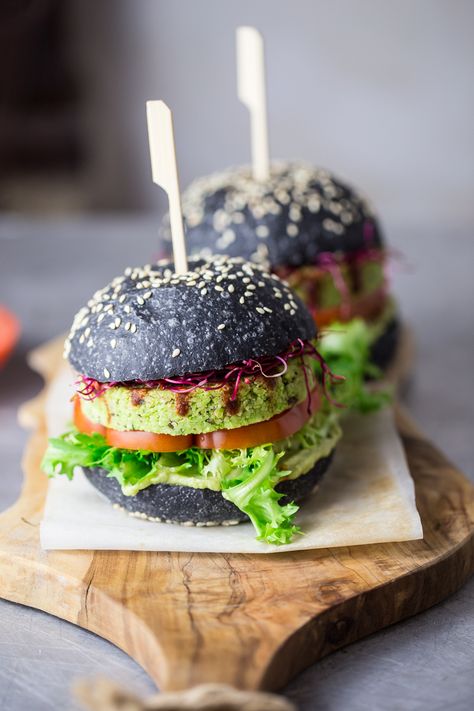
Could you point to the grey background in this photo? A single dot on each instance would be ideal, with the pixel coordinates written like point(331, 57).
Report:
point(381, 93)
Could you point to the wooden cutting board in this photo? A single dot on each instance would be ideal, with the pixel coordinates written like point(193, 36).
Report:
point(250, 621)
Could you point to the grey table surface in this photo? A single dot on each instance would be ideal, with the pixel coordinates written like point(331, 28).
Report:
point(48, 269)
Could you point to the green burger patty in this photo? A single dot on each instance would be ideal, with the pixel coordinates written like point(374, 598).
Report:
point(166, 412)
point(370, 278)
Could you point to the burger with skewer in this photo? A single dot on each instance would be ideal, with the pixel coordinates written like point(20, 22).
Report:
point(322, 237)
point(201, 398)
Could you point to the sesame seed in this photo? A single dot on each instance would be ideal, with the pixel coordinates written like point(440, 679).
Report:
point(231, 288)
point(241, 300)
point(175, 353)
point(128, 325)
point(218, 288)
point(117, 322)
point(112, 325)
point(127, 309)
point(259, 310)
point(203, 292)
point(106, 373)
point(221, 326)
point(269, 311)
point(140, 301)
point(113, 342)
point(133, 328)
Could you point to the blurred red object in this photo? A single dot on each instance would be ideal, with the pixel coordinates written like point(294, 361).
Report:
point(9, 332)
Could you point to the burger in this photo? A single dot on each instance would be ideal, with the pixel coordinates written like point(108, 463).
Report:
point(321, 236)
point(201, 398)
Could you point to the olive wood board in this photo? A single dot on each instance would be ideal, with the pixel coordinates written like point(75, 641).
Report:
point(250, 621)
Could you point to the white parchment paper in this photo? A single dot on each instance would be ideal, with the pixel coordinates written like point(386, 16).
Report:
point(367, 496)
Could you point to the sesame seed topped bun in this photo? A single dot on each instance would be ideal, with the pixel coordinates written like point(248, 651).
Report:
point(152, 323)
point(299, 213)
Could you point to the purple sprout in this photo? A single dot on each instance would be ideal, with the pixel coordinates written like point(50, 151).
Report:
point(268, 367)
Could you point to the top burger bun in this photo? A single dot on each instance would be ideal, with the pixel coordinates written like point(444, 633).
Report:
point(299, 213)
point(151, 323)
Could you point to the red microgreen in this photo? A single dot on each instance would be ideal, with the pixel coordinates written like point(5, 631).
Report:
point(232, 375)
point(89, 389)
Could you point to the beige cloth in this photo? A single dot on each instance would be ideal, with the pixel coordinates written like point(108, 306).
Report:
point(367, 496)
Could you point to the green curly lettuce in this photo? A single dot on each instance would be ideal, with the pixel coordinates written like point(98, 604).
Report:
point(246, 477)
point(346, 349)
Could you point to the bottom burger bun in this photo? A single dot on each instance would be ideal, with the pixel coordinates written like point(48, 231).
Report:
point(197, 507)
point(383, 350)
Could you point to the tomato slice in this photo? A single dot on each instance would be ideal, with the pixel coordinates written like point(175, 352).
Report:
point(283, 425)
point(324, 317)
point(131, 439)
point(83, 423)
point(367, 307)
point(150, 441)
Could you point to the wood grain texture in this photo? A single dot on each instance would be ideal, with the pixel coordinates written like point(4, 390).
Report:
point(250, 621)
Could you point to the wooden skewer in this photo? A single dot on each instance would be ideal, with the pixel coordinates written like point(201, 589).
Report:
point(165, 173)
point(251, 89)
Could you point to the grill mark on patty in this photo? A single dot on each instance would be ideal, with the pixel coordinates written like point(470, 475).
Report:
point(182, 403)
point(231, 407)
point(270, 383)
point(137, 396)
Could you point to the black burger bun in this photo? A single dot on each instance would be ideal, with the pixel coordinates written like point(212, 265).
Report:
point(289, 220)
point(151, 323)
point(185, 505)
